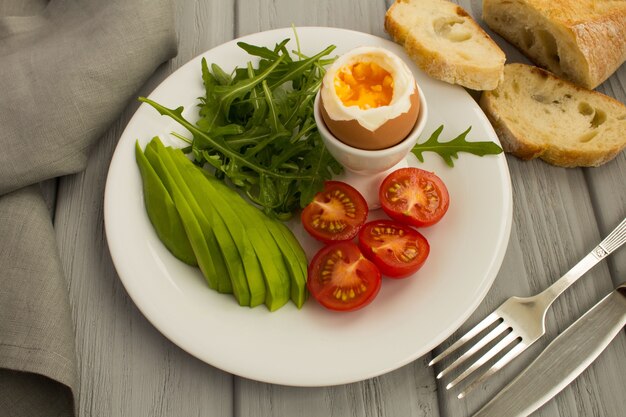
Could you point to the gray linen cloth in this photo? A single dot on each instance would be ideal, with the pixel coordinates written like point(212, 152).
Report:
point(67, 70)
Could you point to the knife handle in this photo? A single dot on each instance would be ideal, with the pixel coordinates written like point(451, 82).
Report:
point(566, 357)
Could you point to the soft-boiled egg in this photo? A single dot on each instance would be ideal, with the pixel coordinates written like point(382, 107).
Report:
point(369, 99)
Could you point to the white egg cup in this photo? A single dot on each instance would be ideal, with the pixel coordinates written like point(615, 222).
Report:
point(364, 169)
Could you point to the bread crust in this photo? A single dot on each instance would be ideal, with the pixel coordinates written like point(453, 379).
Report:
point(480, 72)
point(589, 33)
point(563, 146)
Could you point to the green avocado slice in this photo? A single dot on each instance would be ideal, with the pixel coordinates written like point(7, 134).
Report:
point(162, 212)
point(212, 227)
point(222, 277)
point(212, 265)
point(295, 260)
point(275, 273)
point(190, 223)
point(245, 271)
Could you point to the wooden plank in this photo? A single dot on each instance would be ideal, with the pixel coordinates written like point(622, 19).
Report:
point(545, 242)
point(555, 225)
point(407, 392)
point(126, 366)
point(363, 16)
point(607, 184)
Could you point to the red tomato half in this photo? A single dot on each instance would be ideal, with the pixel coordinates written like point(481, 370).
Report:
point(395, 248)
point(336, 213)
point(342, 279)
point(414, 196)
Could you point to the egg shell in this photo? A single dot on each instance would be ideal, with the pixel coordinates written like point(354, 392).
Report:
point(392, 132)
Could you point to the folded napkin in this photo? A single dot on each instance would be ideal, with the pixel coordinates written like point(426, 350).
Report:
point(67, 70)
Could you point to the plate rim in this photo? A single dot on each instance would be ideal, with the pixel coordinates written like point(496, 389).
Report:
point(494, 268)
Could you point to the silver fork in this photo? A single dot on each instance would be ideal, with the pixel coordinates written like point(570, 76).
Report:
point(520, 319)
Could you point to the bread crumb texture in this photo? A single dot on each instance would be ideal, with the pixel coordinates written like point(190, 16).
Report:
point(446, 43)
point(537, 114)
point(583, 41)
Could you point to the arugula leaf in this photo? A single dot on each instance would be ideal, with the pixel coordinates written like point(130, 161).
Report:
point(449, 150)
point(177, 115)
point(260, 51)
point(257, 129)
point(322, 166)
point(299, 67)
point(220, 75)
point(275, 124)
point(228, 93)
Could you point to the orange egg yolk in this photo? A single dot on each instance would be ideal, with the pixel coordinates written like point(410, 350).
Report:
point(364, 84)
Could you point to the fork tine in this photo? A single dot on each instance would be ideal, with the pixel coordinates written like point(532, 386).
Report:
point(501, 363)
point(475, 348)
point(485, 358)
point(470, 334)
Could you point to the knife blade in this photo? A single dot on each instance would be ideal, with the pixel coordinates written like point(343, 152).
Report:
point(566, 357)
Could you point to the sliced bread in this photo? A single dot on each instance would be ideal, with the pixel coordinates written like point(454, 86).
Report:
point(446, 43)
point(537, 114)
point(583, 41)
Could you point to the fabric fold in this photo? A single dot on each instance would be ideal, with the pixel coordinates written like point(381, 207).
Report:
point(36, 332)
point(68, 71)
point(64, 82)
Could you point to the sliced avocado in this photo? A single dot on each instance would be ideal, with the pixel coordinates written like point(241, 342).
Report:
point(275, 273)
point(186, 206)
point(219, 264)
point(253, 258)
point(294, 257)
point(162, 212)
point(235, 245)
point(190, 223)
point(222, 277)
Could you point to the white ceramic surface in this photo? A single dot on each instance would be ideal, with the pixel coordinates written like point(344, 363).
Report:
point(365, 169)
point(369, 162)
point(312, 346)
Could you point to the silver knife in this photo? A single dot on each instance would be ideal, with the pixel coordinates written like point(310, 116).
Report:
point(563, 360)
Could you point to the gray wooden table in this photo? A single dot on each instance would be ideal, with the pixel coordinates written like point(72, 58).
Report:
point(127, 368)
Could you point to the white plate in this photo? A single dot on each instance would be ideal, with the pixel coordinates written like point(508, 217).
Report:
point(313, 346)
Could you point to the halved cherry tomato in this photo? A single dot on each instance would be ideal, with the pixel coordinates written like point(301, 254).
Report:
point(395, 248)
point(342, 279)
point(336, 213)
point(414, 196)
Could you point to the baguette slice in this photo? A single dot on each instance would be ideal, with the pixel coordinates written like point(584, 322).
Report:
point(537, 114)
point(583, 41)
point(446, 43)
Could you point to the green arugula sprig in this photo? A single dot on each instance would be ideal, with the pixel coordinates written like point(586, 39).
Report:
point(256, 127)
point(449, 150)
